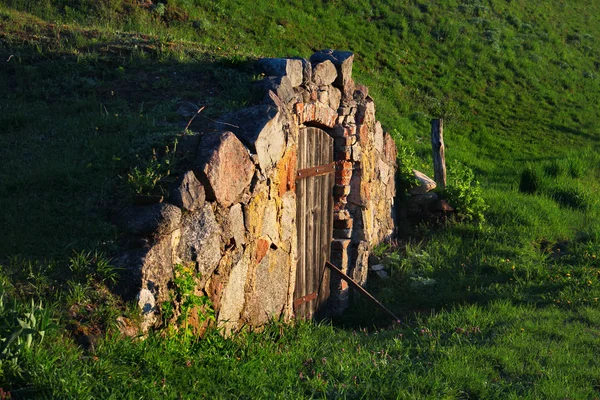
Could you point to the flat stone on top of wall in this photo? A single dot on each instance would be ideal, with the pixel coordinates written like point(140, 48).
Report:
point(280, 85)
point(225, 167)
point(291, 68)
point(342, 60)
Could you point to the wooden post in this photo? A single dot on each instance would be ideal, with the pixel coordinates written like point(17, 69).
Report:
point(437, 145)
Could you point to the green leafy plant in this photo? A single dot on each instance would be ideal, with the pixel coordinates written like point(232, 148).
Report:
point(464, 193)
point(184, 301)
point(20, 331)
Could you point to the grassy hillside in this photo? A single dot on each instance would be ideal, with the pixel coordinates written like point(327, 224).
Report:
point(504, 308)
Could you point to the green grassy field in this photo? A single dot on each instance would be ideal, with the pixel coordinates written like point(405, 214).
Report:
point(504, 307)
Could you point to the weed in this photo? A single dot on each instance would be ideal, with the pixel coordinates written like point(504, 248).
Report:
point(153, 176)
point(186, 303)
point(464, 193)
point(407, 162)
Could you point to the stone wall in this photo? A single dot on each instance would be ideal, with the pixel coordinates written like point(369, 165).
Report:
point(232, 216)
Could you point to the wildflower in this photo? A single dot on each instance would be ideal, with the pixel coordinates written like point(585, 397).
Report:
point(513, 267)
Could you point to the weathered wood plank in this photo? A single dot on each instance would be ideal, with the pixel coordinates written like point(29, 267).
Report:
point(314, 222)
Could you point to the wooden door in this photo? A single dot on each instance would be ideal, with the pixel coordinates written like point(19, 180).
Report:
point(314, 216)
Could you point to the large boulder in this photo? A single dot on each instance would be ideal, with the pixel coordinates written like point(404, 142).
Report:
point(261, 128)
point(225, 168)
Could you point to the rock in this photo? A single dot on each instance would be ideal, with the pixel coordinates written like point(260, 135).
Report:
point(378, 140)
point(361, 263)
point(377, 267)
point(417, 204)
point(127, 327)
point(335, 97)
point(306, 71)
point(236, 220)
point(269, 295)
point(389, 148)
point(318, 114)
point(201, 242)
point(384, 171)
point(233, 297)
point(225, 168)
point(280, 85)
point(374, 260)
point(147, 304)
point(260, 128)
point(361, 93)
point(382, 274)
point(270, 227)
point(291, 68)
point(426, 184)
point(342, 60)
point(324, 73)
point(146, 220)
point(423, 199)
point(288, 216)
point(188, 193)
point(441, 206)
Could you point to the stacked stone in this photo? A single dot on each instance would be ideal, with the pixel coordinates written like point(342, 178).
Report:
point(232, 216)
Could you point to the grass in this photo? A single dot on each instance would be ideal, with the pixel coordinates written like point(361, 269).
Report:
point(501, 308)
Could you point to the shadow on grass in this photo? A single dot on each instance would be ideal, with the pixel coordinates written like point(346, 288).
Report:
point(76, 118)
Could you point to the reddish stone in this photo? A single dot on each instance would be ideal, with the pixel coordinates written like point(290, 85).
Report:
point(262, 247)
point(298, 108)
point(343, 155)
point(389, 147)
point(363, 135)
point(226, 169)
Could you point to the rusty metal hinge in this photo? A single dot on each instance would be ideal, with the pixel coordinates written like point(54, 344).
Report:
point(305, 299)
point(315, 171)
